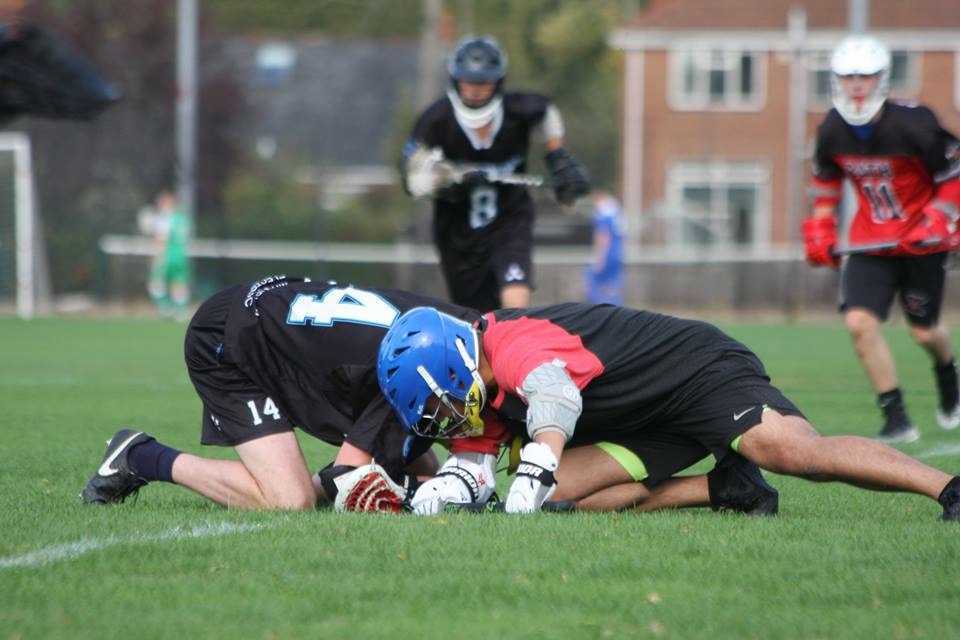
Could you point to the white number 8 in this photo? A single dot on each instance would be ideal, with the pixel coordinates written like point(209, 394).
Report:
point(483, 206)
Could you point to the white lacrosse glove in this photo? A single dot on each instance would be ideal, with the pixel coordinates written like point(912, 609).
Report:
point(368, 489)
point(463, 478)
point(534, 483)
point(428, 172)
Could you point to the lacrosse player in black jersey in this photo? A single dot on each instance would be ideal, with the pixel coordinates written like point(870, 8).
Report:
point(465, 152)
point(264, 358)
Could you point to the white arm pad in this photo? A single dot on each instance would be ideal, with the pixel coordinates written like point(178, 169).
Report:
point(552, 124)
point(553, 400)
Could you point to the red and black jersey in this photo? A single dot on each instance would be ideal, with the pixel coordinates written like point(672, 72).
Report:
point(897, 169)
point(465, 217)
point(633, 368)
point(313, 346)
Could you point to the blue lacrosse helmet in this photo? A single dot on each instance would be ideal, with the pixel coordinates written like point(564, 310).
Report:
point(429, 353)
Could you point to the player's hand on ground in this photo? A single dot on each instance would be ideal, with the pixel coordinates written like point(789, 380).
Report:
point(570, 178)
point(434, 494)
point(368, 489)
point(463, 478)
point(534, 483)
point(819, 241)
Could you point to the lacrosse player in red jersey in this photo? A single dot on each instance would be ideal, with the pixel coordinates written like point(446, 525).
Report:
point(572, 374)
point(905, 168)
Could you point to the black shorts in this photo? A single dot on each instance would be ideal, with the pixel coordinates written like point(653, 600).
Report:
point(476, 275)
point(235, 409)
point(870, 282)
point(725, 400)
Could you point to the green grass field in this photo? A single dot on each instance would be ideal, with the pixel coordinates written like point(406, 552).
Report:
point(837, 562)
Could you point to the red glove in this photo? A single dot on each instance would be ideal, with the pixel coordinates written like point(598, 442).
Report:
point(935, 232)
point(819, 239)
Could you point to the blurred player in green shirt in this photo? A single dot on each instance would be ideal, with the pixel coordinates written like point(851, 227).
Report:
point(170, 271)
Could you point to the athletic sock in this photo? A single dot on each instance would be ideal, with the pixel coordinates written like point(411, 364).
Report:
point(153, 461)
point(891, 403)
point(947, 385)
point(950, 492)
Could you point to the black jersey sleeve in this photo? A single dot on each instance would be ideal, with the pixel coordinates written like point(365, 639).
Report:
point(426, 130)
point(824, 166)
point(936, 146)
point(528, 107)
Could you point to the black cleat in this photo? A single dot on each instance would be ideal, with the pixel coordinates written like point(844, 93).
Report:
point(736, 484)
point(115, 481)
point(950, 500)
point(898, 430)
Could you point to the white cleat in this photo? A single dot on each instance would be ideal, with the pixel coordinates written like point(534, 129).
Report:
point(949, 420)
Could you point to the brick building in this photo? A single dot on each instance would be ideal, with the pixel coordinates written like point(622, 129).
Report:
point(707, 124)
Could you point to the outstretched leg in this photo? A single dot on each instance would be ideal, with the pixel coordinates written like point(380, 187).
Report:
point(790, 445)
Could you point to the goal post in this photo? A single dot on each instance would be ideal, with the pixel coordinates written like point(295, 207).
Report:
point(25, 233)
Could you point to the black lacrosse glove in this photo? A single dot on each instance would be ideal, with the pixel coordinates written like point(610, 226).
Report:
point(570, 178)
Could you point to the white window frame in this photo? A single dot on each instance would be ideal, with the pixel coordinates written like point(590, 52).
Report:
point(956, 79)
point(719, 175)
point(679, 100)
point(820, 61)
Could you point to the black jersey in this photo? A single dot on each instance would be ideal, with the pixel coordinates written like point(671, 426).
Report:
point(313, 346)
point(633, 367)
point(895, 168)
point(465, 217)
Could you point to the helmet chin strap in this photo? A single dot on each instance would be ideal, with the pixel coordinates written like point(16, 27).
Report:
point(475, 117)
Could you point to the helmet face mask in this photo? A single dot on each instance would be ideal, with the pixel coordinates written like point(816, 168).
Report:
point(477, 61)
point(856, 59)
point(427, 368)
point(448, 418)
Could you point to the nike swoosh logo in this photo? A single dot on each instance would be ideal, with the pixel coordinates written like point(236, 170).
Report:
point(737, 416)
point(105, 468)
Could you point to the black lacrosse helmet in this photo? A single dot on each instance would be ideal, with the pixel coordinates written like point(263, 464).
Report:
point(477, 59)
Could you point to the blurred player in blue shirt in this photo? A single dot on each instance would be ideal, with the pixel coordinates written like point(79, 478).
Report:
point(604, 277)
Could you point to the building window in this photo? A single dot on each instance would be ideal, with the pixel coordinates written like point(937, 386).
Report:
point(716, 79)
point(904, 76)
point(718, 204)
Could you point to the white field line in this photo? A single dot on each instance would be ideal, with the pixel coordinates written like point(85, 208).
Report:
point(71, 550)
point(948, 449)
